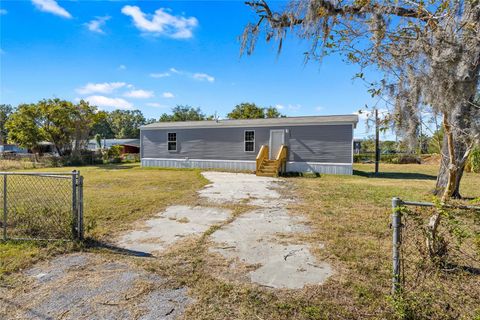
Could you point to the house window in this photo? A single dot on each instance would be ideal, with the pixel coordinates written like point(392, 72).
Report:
point(249, 141)
point(172, 141)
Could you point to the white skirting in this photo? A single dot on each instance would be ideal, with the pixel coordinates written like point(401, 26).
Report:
point(245, 165)
point(317, 167)
point(234, 165)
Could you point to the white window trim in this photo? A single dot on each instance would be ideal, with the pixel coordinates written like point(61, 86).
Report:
point(176, 142)
point(245, 141)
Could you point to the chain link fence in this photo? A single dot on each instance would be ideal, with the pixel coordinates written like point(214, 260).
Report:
point(436, 254)
point(41, 206)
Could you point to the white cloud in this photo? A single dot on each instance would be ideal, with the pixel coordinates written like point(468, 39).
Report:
point(162, 22)
point(3, 11)
point(122, 67)
point(294, 107)
point(319, 108)
point(168, 95)
point(97, 24)
point(160, 75)
point(200, 76)
point(166, 74)
point(279, 106)
point(106, 102)
point(51, 6)
point(157, 105)
point(105, 87)
point(203, 77)
point(139, 94)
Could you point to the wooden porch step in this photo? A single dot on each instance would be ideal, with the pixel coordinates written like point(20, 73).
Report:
point(268, 170)
point(269, 166)
point(264, 174)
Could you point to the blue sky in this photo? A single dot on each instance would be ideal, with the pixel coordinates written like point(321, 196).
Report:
point(153, 55)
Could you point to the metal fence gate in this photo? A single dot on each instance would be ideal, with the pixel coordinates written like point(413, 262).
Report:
point(458, 233)
point(41, 205)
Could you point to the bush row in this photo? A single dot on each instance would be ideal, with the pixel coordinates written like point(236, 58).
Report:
point(388, 158)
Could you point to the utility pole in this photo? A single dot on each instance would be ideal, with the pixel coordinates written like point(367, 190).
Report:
point(377, 141)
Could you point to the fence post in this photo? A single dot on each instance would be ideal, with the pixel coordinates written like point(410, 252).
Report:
point(74, 204)
point(397, 242)
point(5, 207)
point(80, 208)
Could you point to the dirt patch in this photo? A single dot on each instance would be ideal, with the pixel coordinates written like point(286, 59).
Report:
point(88, 286)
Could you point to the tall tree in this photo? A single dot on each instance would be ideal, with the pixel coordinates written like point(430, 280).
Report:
point(66, 125)
point(22, 127)
point(183, 113)
point(84, 118)
point(246, 110)
point(5, 112)
point(249, 110)
point(126, 123)
point(272, 112)
point(56, 123)
point(429, 52)
point(102, 126)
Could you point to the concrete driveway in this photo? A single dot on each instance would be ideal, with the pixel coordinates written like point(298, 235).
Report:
point(252, 238)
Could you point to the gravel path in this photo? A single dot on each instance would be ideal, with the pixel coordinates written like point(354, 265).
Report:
point(89, 286)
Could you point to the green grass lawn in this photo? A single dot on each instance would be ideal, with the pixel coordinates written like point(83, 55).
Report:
point(115, 197)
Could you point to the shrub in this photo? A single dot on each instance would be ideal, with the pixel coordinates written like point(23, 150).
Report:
point(473, 163)
point(113, 154)
point(388, 158)
point(131, 157)
point(85, 158)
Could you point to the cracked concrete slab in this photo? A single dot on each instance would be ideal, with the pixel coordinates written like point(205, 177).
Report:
point(86, 286)
point(241, 187)
point(175, 223)
point(253, 239)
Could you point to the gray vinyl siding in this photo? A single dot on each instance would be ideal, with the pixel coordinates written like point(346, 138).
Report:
point(310, 143)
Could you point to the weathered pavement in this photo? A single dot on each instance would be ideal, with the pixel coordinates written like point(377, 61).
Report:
point(90, 286)
point(254, 237)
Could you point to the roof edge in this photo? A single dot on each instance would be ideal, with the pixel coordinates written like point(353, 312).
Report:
point(307, 120)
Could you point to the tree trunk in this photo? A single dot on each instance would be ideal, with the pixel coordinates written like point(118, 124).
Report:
point(451, 170)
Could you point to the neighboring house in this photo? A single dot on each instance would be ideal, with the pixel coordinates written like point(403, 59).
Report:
point(322, 144)
point(12, 148)
point(46, 147)
point(357, 146)
point(128, 145)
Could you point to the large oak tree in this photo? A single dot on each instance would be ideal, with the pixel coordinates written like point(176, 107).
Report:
point(428, 51)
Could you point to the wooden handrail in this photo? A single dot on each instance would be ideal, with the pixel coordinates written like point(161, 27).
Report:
point(262, 155)
point(281, 158)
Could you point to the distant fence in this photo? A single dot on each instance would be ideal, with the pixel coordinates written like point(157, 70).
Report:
point(456, 252)
point(41, 206)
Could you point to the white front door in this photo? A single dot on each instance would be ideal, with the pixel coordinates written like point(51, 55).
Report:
point(277, 138)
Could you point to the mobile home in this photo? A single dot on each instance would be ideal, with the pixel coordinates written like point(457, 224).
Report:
point(322, 144)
